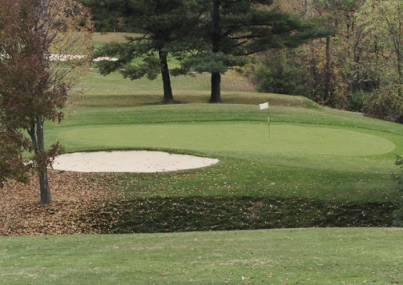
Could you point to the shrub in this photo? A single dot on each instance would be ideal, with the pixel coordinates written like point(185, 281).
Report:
point(384, 104)
point(278, 75)
point(355, 103)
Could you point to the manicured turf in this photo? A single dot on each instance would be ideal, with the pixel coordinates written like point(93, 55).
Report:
point(309, 151)
point(299, 256)
point(232, 137)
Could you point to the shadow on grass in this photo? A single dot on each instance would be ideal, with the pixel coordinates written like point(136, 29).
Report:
point(179, 214)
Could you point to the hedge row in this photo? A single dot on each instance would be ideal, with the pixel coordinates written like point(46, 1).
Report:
point(178, 214)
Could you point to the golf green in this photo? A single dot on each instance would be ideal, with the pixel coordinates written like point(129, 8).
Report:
point(231, 137)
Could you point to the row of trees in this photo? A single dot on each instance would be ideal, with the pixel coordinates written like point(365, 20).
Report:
point(34, 82)
point(205, 35)
point(358, 68)
point(351, 59)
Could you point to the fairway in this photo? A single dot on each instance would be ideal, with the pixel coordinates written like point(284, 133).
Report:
point(298, 256)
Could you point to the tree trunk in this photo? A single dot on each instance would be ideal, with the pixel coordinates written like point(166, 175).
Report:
point(38, 140)
point(400, 73)
point(327, 71)
point(166, 79)
point(216, 41)
point(46, 197)
point(313, 76)
point(215, 88)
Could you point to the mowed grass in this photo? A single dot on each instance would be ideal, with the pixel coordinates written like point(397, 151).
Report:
point(294, 256)
point(310, 152)
point(306, 151)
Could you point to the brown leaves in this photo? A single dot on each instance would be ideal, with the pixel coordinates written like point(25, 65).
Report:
point(75, 195)
point(12, 144)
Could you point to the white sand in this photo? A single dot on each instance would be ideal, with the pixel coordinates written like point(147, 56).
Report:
point(129, 161)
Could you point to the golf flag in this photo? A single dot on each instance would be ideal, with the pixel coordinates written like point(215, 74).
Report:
point(264, 106)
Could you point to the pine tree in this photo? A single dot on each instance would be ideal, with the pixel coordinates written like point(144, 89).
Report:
point(233, 29)
point(163, 27)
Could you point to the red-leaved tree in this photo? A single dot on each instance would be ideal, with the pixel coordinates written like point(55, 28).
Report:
point(42, 43)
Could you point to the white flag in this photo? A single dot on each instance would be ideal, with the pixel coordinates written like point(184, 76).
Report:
point(264, 106)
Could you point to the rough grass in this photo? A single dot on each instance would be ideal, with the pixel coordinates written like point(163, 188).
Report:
point(115, 84)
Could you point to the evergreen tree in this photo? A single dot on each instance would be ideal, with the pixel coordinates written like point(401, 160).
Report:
point(233, 29)
point(163, 27)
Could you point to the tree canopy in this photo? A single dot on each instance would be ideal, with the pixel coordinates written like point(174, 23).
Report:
point(359, 68)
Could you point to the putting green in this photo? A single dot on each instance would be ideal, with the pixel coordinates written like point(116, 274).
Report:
point(238, 137)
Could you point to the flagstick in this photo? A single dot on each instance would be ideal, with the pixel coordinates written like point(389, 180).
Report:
point(268, 123)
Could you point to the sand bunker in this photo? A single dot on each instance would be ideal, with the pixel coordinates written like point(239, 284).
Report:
point(129, 161)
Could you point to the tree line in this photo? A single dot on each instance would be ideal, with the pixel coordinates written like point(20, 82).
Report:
point(341, 53)
point(359, 68)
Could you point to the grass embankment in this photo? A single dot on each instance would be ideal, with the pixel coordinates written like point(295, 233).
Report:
point(314, 167)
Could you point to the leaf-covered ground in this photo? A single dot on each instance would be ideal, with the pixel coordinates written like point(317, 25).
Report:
point(97, 203)
point(75, 195)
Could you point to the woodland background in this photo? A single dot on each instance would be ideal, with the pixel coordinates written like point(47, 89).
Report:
point(359, 68)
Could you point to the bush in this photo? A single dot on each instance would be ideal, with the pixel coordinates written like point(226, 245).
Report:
point(384, 104)
point(278, 75)
point(355, 103)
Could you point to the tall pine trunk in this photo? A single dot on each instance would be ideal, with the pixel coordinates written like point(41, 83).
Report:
point(38, 140)
point(166, 79)
point(215, 76)
point(215, 88)
point(400, 73)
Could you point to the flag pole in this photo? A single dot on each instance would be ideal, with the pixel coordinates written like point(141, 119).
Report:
point(268, 122)
point(263, 107)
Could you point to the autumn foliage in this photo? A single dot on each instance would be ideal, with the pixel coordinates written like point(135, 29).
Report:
point(34, 81)
point(359, 68)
